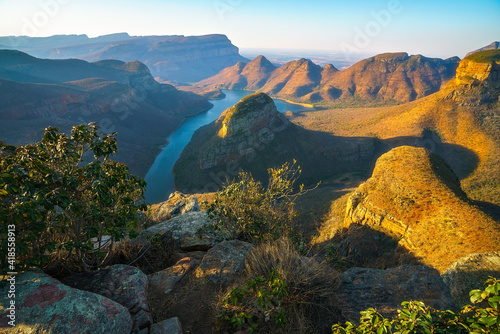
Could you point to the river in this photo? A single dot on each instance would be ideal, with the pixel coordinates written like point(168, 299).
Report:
point(159, 177)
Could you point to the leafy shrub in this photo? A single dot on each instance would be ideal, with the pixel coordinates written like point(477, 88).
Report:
point(281, 291)
point(61, 207)
point(416, 317)
point(248, 211)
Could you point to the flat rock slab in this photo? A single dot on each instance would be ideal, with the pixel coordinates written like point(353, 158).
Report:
point(469, 273)
point(165, 280)
point(177, 204)
point(169, 326)
point(123, 284)
point(190, 231)
point(385, 290)
point(45, 305)
point(224, 262)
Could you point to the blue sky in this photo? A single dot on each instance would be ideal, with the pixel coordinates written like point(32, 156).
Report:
point(432, 28)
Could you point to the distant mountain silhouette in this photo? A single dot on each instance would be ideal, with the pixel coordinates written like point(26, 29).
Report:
point(170, 58)
point(119, 96)
point(388, 77)
point(492, 46)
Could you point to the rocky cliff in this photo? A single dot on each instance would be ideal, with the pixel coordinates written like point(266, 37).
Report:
point(390, 77)
point(170, 58)
point(253, 136)
point(478, 79)
point(416, 198)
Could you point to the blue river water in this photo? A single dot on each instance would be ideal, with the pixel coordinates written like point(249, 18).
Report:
point(159, 177)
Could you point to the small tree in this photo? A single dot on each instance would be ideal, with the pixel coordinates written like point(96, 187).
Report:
point(248, 211)
point(61, 196)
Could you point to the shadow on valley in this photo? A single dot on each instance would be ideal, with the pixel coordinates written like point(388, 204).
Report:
point(365, 247)
point(333, 160)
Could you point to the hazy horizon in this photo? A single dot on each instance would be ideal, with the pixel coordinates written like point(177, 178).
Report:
point(444, 29)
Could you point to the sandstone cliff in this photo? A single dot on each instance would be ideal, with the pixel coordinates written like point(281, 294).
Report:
point(415, 197)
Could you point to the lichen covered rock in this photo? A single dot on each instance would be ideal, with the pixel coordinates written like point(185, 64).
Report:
point(45, 305)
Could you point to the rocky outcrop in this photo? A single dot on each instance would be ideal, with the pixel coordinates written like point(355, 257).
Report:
point(165, 280)
point(469, 273)
point(177, 204)
point(385, 290)
point(478, 79)
point(386, 77)
point(471, 72)
point(170, 58)
point(415, 197)
point(123, 284)
point(190, 231)
point(45, 305)
point(224, 262)
point(253, 120)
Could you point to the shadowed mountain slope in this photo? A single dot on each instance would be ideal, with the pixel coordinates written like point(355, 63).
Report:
point(122, 97)
point(170, 58)
point(253, 136)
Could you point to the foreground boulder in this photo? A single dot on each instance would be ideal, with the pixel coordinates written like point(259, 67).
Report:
point(469, 273)
point(177, 204)
point(169, 326)
point(224, 262)
point(190, 231)
point(123, 284)
point(45, 305)
point(385, 290)
point(165, 280)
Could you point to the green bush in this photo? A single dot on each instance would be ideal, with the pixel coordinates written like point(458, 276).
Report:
point(246, 210)
point(59, 194)
point(264, 297)
point(416, 317)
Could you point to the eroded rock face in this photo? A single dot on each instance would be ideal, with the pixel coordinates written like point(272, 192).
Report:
point(190, 231)
point(469, 273)
point(123, 284)
point(224, 262)
point(385, 290)
point(471, 72)
point(45, 305)
point(177, 204)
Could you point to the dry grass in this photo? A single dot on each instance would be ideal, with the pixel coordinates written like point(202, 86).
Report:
point(311, 285)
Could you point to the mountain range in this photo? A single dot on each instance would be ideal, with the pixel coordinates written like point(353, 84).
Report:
point(174, 58)
point(119, 96)
point(385, 78)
